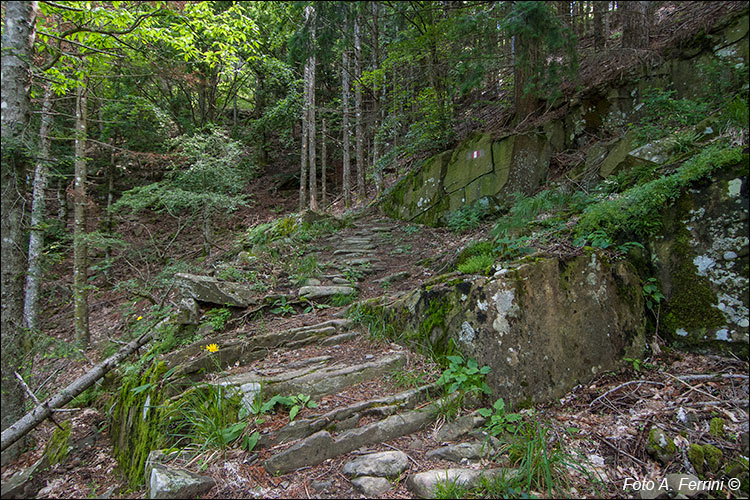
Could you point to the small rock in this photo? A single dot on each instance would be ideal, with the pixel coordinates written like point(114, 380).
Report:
point(423, 484)
point(461, 451)
point(371, 486)
point(340, 281)
point(729, 255)
point(661, 446)
point(460, 427)
point(176, 483)
point(383, 464)
point(312, 282)
point(321, 486)
point(319, 292)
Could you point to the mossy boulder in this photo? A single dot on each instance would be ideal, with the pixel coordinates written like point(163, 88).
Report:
point(714, 457)
point(739, 469)
point(702, 259)
point(661, 446)
point(697, 457)
point(543, 325)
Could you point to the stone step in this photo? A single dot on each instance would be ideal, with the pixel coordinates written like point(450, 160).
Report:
point(325, 291)
point(194, 359)
point(316, 380)
point(321, 446)
point(347, 417)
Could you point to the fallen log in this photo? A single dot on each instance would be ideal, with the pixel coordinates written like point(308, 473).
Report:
point(44, 410)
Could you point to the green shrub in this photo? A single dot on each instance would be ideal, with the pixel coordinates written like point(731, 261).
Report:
point(477, 264)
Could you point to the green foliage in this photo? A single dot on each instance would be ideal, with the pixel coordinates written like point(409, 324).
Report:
point(210, 174)
point(477, 264)
point(543, 464)
point(299, 402)
point(511, 248)
point(343, 299)
point(500, 420)
point(662, 113)
point(651, 293)
point(134, 123)
point(466, 218)
point(464, 376)
point(451, 488)
point(735, 113)
point(206, 416)
point(218, 318)
point(637, 211)
point(280, 306)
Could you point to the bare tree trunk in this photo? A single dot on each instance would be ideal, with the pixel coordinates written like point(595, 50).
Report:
point(635, 24)
point(323, 193)
point(303, 155)
point(62, 200)
point(38, 209)
point(347, 168)
point(361, 188)
point(377, 104)
point(600, 33)
point(17, 42)
point(80, 246)
point(311, 111)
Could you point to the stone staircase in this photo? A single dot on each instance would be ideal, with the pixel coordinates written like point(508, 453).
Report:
point(371, 429)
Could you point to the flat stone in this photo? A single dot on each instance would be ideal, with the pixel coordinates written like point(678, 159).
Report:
point(461, 451)
point(340, 281)
point(391, 278)
point(385, 430)
point(310, 451)
point(460, 427)
point(319, 292)
point(19, 484)
point(383, 464)
point(423, 484)
point(215, 291)
point(166, 482)
point(371, 486)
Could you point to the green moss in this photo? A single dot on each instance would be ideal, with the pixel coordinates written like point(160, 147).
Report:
point(739, 469)
point(716, 427)
point(713, 456)
point(135, 429)
point(696, 456)
point(691, 305)
point(435, 316)
point(660, 445)
point(58, 447)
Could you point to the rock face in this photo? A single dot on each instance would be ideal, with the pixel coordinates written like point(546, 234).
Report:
point(214, 291)
point(702, 263)
point(543, 326)
point(383, 464)
point(486, 170)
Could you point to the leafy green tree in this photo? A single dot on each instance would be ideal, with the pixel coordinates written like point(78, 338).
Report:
point(209, 174)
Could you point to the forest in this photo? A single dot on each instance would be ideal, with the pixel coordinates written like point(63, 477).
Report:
point(375, 249)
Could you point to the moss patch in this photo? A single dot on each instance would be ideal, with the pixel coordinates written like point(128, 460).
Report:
point(58, 447)
point(137, 420)
point(716, 427)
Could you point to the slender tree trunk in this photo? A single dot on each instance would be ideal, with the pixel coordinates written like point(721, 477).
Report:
point(377, 104)
point(635, 24)
point(361, 188)
point(347, 168)
point(62, 200)
point(311, 112)
point(38, 210)
point(80, 247)
point(109, 226)
point(600, 34)
point(303, 154)
point(323, 192)
point(17, 43)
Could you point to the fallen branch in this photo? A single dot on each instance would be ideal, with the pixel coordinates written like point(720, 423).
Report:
point(710, 376)
point(44, 410)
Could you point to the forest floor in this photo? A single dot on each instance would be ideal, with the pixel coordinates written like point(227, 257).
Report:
point(605, 423)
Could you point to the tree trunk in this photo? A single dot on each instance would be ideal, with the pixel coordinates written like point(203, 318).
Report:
point(303, 153)
point(525, 57)
point(80, 247)
point(361, 188)
point(323, 193)
point(635, 25)
point(38, 210)
point(17, 43)
point(600, 32)
point(377, 104)
point(347, 168)
point(311, 111)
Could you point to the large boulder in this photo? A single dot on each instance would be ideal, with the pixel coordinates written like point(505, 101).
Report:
point(215, 291)
point(702, 260)
point(543, 326)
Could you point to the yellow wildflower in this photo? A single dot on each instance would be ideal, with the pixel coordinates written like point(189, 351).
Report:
point(212, 348)
point(139, 318)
